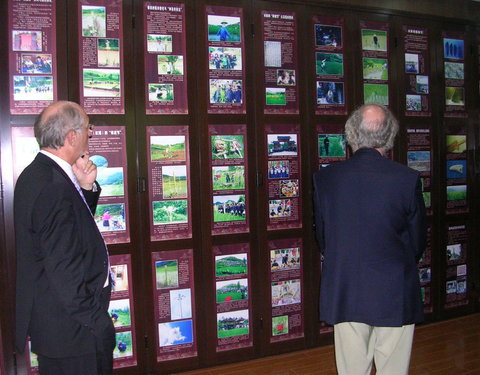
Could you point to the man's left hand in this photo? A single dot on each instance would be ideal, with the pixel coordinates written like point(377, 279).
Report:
point(85, 171)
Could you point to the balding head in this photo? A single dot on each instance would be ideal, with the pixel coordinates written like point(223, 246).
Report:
point(371, 126)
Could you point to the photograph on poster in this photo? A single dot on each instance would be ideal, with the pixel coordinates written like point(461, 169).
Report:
point(32, 88)
point(375, 69)
point(175, 333)
point(229, 208)
point(454, 70)
point(119, 311)
point(231, 290)
point(36, 63)
point(462, 286)
point(225, 58)
point(108, 52)
point(110, 217)
point(231, 265)
point(419, 160)
point(288, 188)
point(275, 96)
point(272, 51)
point(285, 77)
point(279, 208)
point(451, 286)
point(454, 252)
point(425, 294)
point(230, 177)
point(329, 63)
point(462, 270)
point(375, 93)
point(279, 325)
point(456, 144)
point(111, 181)
point(160, 92)
point(330, 92)
point(279, 169)
point(282, 145)
point(170, 212)
point(170, 64)
point(413, 102)
point(427, 198)
point(101, 83)
point(120, 275)
point(174, 181)
point(425, 274)
point(227, 147)
point(166, 272)
point(422, 85)
point(286, 292)
point(456, 192)
point(285, 259)
point(94, 21)
point(327, 35)
point(332, 146)
point(225, 91)
point(411, 63)
point(374, 40)
point(455, 96)
point(100, 161)
point(123, 347)
point(180, 304)
point(456, 169)
point(233, 323)
point(224, 28)
point(167, 148)
point(453, 49)
point(159, 43)
point(27, 40)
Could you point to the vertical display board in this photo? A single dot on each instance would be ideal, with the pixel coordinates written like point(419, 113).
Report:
point(232, 296)
point(24, 148)
point(286, 281)
point(228, 165)
point(284, 176)
point(165, 58)
point(122, 312)
point(279, 32)
point(174, 296)
point(425, 274)
point(375, 64)
point(419, 157)
point(168, 162)
point(108, 151)
point(330, 74)
point(100, 46)
point(454, 71)
point(456, 270)
point(32, 55)
point(417, 71)
point(226, 59)
point(331, 145)
point(456, 170)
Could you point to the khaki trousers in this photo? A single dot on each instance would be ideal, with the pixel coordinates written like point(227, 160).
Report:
point(357, 345)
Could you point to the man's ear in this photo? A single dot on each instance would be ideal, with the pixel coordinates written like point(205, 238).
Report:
point(71, 138)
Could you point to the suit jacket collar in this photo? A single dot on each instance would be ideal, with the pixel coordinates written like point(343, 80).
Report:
point(368, 152)
point(45, 160)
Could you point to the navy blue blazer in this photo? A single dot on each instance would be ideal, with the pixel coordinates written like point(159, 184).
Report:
point(62, 264)
point(371, 227)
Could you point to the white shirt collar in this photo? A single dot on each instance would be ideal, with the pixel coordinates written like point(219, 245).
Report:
point(66, 167)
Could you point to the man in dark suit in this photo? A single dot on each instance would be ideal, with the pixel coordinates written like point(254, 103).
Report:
point(63, 283)
point(371, 228)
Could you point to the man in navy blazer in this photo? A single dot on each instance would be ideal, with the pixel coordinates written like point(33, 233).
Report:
point(371, 228)
point(63, 283)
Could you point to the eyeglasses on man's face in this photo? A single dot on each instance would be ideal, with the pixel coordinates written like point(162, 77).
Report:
point(90, 128)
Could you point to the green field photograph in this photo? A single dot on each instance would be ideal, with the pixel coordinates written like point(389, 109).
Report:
point(275, 96)
point(170, 212)
point(230, 177)
point(228, 265)
point(170, 64)
point(427, 199)
point(119, 311)
point(174, 181)
point(167, 148)
point(124, 347)
point(111, 181)
point(101, 83)
point(456, 192)
point(375, 69)
point(93, 21)
point(373, 93)
point(231, 290)
point(332, 146)
point(229, 208)
point(279, 325)
point(227, 147)
point(374, 40)
point(329, 64)
point(166, 272)
point(233, 323)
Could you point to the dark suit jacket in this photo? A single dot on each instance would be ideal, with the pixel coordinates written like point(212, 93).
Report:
point(62, 264)
point(370, 224)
